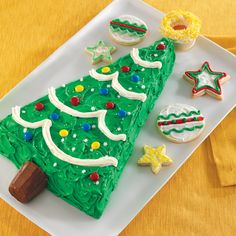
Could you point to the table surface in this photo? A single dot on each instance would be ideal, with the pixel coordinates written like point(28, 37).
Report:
point(193, 201)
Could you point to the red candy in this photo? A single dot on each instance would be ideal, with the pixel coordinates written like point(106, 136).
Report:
point(125, 68)
point(39, 106)
point(179, 27)
point(161, 46)
point(94, 176)
point(110, 105)
point(74, 101)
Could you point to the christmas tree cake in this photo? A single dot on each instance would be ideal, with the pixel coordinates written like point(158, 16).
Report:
point(81, 135)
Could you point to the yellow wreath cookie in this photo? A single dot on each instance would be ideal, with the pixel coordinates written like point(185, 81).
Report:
point(181, 26)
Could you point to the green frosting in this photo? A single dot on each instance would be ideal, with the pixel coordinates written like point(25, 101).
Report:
point(178, 115)
point(71, 182)
point(182, 130)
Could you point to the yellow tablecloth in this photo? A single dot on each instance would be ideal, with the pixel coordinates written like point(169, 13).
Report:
point(193, 202)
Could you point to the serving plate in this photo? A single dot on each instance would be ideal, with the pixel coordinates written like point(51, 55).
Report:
point(137, 185)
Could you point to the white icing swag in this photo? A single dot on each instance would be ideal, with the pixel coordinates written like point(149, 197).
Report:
point(117, 86)
point(95, 114)
point(137, 60)
point(46, 124)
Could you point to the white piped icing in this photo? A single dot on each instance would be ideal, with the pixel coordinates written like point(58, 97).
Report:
point(117, 86)
point(46, 124)
point(96, 114)
point(137, 60)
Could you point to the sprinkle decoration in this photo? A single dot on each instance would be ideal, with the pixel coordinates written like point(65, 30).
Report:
point(104, 91)
point(106, 70)
point(125, 68)
point(74, 101)
point(79, 88)
point(39, 106)
point(94, 176)
point(172, 25)
point(63, 132)
point(86, 127)
point(110, 105)
point(135, 78)
point(122, 113)
point(95, 145)
point(28, 136)
point(54, 116)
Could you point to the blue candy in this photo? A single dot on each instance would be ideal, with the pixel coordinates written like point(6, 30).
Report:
point(135, 78)
point(54, 116)
point(122, 113)
point(86, 127)
point(104, 91)
point(28, 136)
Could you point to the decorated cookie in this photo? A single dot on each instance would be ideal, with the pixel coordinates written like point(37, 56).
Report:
point(127, 30)
point(101, 52)
point(180, 123)
point(155, 157)
point(182, 27)
point(206, 80)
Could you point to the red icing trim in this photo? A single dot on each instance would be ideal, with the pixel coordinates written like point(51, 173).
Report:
point(180, 121)
point(195, 91)
point(128, 26)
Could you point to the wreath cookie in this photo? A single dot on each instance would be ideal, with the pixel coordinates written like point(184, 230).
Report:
point(182, 27)
point(180, 123)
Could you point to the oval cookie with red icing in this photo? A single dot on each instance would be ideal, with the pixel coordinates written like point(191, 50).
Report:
point(180, 122)
point(127, 30)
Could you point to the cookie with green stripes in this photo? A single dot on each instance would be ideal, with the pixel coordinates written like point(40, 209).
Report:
point(127, 30)
point(180, 123)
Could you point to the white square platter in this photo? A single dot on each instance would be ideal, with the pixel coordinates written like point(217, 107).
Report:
point(137, 185)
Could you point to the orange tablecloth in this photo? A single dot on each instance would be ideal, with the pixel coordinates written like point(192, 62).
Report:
point(193, 202)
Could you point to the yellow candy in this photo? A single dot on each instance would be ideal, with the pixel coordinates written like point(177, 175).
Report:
point(79, 88)
point(95, 145)
point(63, 132)
point(106, 69)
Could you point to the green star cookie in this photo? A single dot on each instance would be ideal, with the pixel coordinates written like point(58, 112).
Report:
point(101, 52)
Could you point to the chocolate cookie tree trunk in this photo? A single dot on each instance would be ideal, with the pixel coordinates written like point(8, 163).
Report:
point(28, 183)
point(82, 134)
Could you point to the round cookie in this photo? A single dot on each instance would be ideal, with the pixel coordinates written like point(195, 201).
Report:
point(180, 123)
point(127, 30)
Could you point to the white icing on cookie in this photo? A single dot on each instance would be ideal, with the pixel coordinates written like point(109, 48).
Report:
point(125, 37)
point(180, 122)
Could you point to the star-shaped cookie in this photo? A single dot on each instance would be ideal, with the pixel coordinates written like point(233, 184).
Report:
point(155, 157)
point(101, 52)
point(206, 80)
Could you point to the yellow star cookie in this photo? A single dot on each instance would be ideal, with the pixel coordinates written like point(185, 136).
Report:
point(155, 157)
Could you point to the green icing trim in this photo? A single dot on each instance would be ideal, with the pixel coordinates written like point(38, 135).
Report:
point(179, 115)
point(130, 31)
point(70, 182)
point(182, 130)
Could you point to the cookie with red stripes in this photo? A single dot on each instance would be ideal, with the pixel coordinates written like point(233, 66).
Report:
point(180, 123)
point(127, 30)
